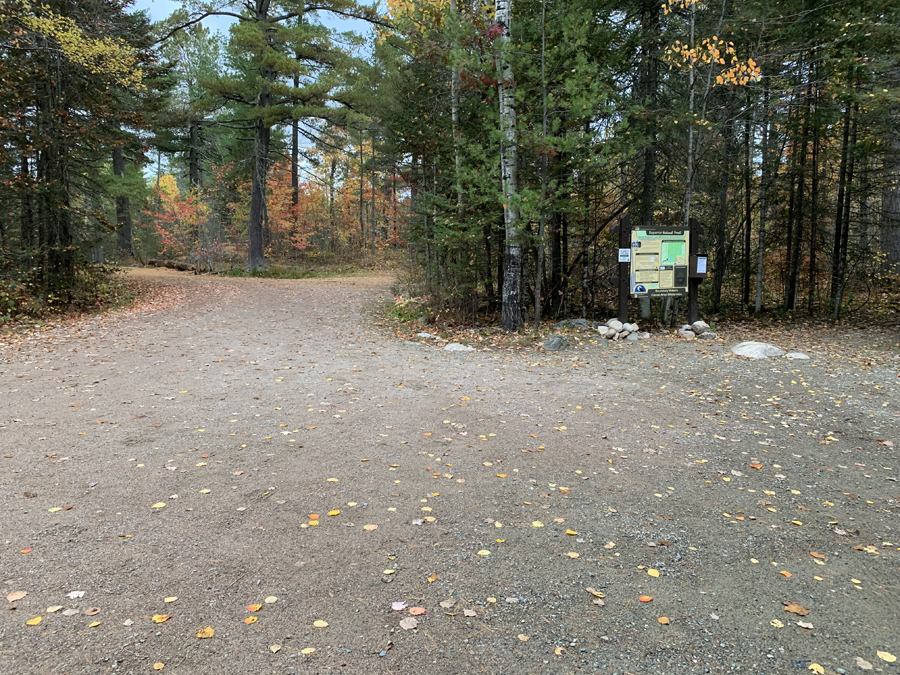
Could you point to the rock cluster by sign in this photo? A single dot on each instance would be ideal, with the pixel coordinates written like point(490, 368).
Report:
point(616, 330)
point(699, 330)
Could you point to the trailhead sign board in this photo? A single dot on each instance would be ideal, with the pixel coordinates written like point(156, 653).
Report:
point(659, 262)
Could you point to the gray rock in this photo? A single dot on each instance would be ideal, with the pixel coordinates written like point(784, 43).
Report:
point(687, 334)
point(615, 324)
point(456, 347)
point(700, 327)
point(565, 324)
point(707, 335)
point(797, 355)
point(610, 334)
point(631, 327)
point(645, 335)
point(602, 330)
point(555, 343)
point(757, 350)
point(686, 326)
point(633, 337)
point(425, 335)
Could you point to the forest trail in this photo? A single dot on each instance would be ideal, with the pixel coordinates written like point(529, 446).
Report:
point(328, 497)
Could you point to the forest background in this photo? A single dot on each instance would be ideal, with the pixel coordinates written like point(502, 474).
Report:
point(488, 148)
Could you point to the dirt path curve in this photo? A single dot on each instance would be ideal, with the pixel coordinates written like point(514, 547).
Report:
point(245, 442)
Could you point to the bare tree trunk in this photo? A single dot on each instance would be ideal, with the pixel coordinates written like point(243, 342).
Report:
point(814, 204)
point(748, 217)
point(839, 216)
point(796, 260)
point(511, 310)
point(542, 225)
point(890, 194)
point(123, 206)
point(763, 186)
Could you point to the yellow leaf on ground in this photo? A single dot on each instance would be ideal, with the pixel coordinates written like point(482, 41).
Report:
point(664, 620)
point(816, 668)
point(609, 544)
point(370, 528)
point(171, 598)
point(523, 638)
point(433, 578)
point(886, 656)
point(35, 621)
point(205, 491)
point(158, 505)
point(306, 651)
point(559, 651)
point(484, 552)
point(334, 512)
point(251, 619)
point(653, 573)
point(320, 624)
point(776, 623)
point(271, 599)
point(332, 480)
point(785, 574)
point(573, 555)
point(536, 523)
point(596, 594)
point(54, 609)
point(204, 633)
point(571, 533)
point(161, 618)
point(275, 649)
point(94, 624)
point(159, 665)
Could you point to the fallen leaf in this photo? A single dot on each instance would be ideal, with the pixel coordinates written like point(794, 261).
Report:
point(816, 668)
point(334, 512)
point(645, 598)
point(776, 623)
point(794, 608)
point(432, 578)
point(70, 612)
point(571, 533)
point(158, 505)
point(818, 556)
point(275, 649)
point(536, 523)
point(204, 633)
point(93, 624)
point(306, 651)
point(159, 665)
point(171, 598)
point(523, 638)
point(35, 621)
point(417, 611)
point(26, 550)
point(254, 608)
point(398, 606)
point(886, 656)
point(862, 664)
point(389, 572)
point(320, 624)
point(785, 574)
point(559, 651)
point(53, 609)
point(664, 620)
point(408, 623)
point(448, 603)
point(469, 612)
point(92, 611)
point(161, 618)
point(573, 555)
point(653, 573)
point(805, 624)
point(271, 599)
point(251, 619)
point(610, 544)
point(484, 552)
point(596, 594)
point(18, 595)
point(370, 528)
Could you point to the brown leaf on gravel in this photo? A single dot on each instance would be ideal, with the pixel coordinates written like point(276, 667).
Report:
point(91, 611)
point(18, 595)
point(408, 623)
point(794, 608)
point(819, 556)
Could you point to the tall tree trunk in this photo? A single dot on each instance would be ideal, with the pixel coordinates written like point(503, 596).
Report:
point(194, 154)
point(26, 214)
point(257, 259)
point(814, 204)
point(295, 156)
point(748, 216)
point(721, 238)
point(845, 233)
point(123, 206)
point(765, 168)
point(836, 250)
point(511, 310)
point(542, 224)
point(890, 194)
point(796, 259)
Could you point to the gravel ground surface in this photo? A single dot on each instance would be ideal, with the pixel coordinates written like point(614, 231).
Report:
point(326, 496)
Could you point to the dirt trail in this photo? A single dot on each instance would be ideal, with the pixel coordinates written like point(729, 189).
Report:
point(503, 484)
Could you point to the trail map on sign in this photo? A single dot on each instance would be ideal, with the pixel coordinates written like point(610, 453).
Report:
point(659, 264)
